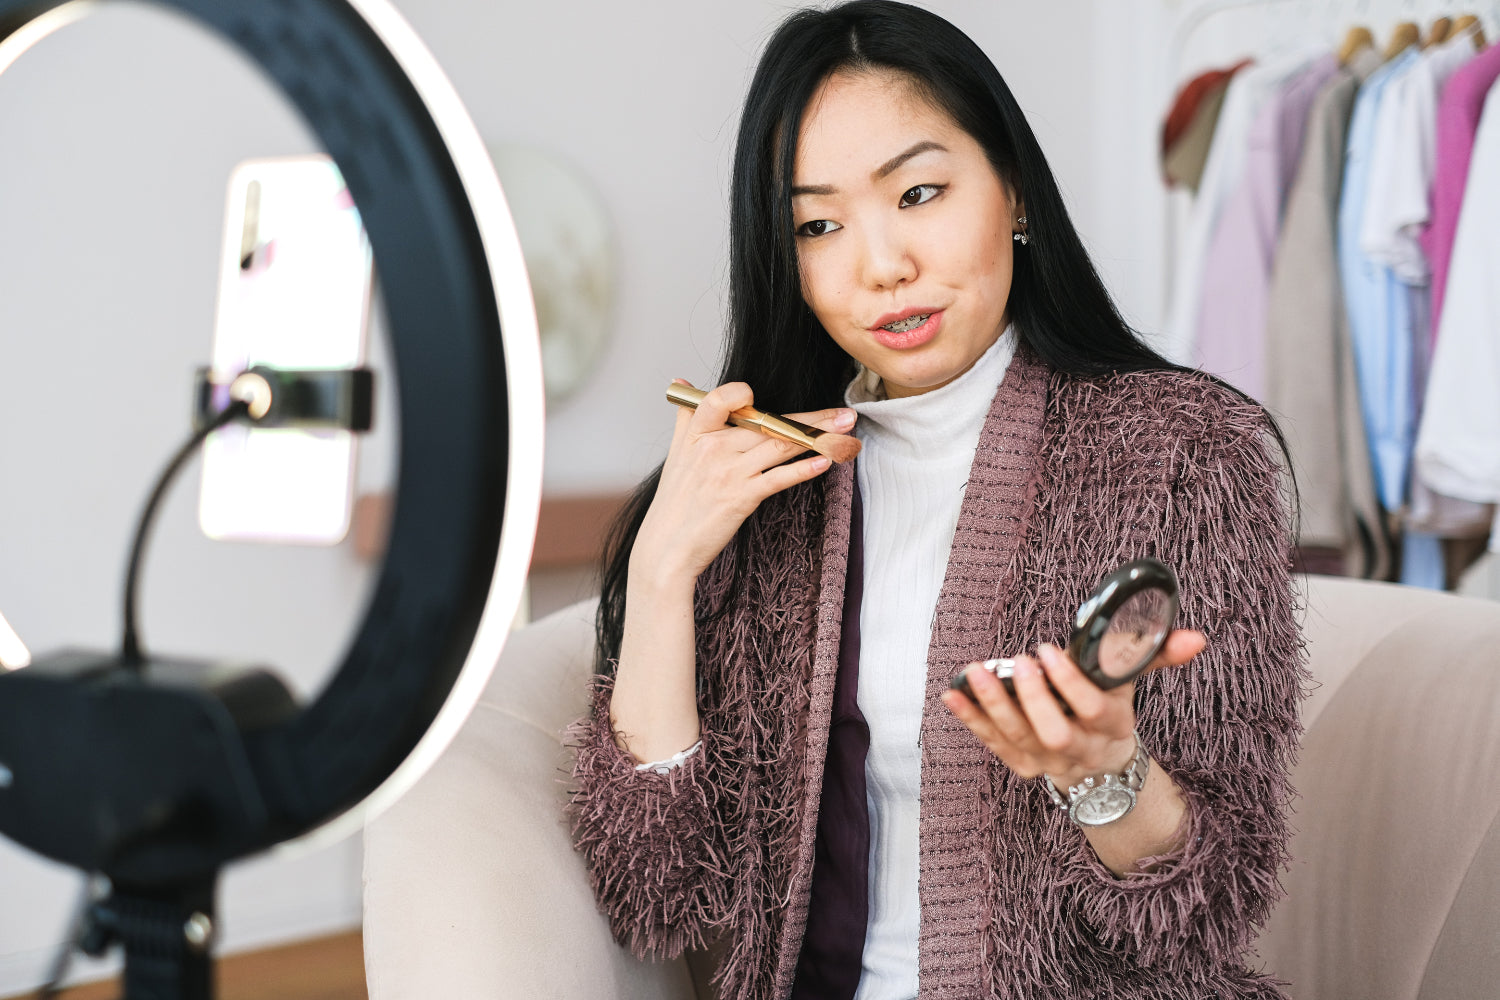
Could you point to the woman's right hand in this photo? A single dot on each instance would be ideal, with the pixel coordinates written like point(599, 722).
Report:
point(715, 476)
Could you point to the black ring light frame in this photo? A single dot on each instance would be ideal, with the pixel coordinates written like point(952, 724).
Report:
point(468, 372)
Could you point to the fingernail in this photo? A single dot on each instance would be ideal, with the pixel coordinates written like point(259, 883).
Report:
point(1026, 667)
point(845, 419)
point(820, 463)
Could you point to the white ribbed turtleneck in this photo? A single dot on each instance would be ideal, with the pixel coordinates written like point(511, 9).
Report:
point(911, 475)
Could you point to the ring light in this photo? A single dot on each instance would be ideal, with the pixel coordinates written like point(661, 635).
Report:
point(466, 362)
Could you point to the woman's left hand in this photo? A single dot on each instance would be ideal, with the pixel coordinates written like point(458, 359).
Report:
point(1031, 734)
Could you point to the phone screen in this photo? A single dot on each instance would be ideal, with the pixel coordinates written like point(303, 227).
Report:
point(295, 279)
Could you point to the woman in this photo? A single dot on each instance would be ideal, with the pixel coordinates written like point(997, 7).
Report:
point(775, 764)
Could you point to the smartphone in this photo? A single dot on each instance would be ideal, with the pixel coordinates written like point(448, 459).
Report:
point(295, 280)
point(1005, 670)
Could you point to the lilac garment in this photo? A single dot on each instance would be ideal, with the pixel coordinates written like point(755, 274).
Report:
point(1231, 334)
point(1458, 114)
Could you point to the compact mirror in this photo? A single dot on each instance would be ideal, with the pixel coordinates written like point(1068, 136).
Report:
point(1117, 632)
point(1121, 628)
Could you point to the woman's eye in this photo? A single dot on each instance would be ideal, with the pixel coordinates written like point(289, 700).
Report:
point(817, 227)
point(919, 194)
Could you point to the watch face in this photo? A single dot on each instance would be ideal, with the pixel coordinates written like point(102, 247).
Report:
point(1102, 805)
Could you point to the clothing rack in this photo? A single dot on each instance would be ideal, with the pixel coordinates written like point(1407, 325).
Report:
point(1197, 13)
point(1189, 19)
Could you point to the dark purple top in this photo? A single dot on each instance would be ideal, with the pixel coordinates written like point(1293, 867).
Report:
point(833, 945)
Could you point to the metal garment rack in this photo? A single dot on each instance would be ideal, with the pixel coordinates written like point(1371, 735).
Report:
point(1201, 12)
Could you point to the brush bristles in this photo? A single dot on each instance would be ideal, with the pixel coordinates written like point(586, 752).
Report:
point(838, 447)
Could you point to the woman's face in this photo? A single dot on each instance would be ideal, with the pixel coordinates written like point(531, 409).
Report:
point(900, 216)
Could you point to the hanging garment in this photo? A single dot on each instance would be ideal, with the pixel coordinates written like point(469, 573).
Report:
point(1248, 90)
point(1189, 127)
point(1459, 108)
point(1182, 162)
point(1458, 448)
point(1404, 162)
point(1230, 339)
point(1401, 178)
point(1377, 303)
point(1310, 381)
point(1381, 329)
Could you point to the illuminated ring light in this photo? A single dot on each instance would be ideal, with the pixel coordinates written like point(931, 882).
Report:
point(463, 335)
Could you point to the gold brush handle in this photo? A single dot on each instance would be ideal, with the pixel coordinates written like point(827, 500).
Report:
point(782, 427)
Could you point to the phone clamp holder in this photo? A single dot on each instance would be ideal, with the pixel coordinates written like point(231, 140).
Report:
point(299, 399)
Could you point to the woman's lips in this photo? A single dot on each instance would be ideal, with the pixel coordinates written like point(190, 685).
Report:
point(915, 337)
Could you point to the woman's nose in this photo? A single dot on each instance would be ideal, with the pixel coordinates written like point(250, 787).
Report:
point(888, 260)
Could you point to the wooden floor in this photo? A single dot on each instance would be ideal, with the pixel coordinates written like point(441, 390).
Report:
point(331, 968)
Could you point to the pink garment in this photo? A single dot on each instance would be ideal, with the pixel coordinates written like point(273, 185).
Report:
point(1231, 334)
point(1458, 114)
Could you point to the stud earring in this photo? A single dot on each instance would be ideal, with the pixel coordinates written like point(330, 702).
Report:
point(1021, 238)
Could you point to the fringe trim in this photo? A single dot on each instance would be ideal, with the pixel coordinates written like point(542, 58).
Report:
point(705, 851)
point(1174, 467)
point(655, 874)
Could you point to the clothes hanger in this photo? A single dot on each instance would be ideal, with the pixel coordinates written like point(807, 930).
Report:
point(1405, 35)
point(1464, 23)
point(1439, 33)
point(1358, 38)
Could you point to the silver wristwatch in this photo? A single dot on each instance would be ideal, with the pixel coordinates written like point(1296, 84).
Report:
point(1105, 799)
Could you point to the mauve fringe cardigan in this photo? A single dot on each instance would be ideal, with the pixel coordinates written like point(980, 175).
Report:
point(1072, 477)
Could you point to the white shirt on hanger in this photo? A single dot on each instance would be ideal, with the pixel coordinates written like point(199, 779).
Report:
point(1403, 161)
point(1458, 443)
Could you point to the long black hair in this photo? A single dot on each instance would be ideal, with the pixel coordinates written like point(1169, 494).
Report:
point(1058, 304)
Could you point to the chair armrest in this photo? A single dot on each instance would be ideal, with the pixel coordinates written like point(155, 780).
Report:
point(472, 888)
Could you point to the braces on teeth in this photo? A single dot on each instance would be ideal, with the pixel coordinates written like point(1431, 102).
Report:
point(909, 323)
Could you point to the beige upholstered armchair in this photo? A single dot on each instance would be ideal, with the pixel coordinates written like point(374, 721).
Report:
point(472, 889)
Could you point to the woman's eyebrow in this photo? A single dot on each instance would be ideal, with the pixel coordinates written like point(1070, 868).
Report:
point(883, 171)
point(889, 166)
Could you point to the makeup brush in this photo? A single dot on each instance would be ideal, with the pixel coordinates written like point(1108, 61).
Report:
point(838, 447)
